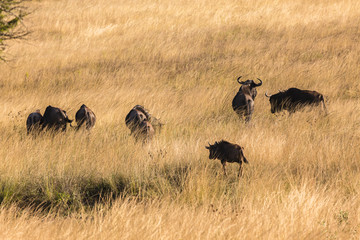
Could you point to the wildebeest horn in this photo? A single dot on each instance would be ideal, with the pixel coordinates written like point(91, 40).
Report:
point(259, 84)
point(267, 95)
point(239, 79)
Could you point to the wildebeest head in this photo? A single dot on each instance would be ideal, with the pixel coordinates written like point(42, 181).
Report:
point(213, 154)
point(275, 102)
point(252, 85)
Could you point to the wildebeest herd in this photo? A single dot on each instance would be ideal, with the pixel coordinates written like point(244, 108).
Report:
point(56, 119)
point(143, 126)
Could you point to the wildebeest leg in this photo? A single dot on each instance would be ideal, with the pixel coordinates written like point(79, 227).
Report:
point(247, 117)
point(224, 164)
point(249, 110)
point(240, 171)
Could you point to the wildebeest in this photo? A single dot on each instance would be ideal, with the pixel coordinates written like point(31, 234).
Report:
point(227, 152)
point(33, 121)
point(293, 99)
point(85, 115)
point(243, 102)
point(54, 118)
point(141, 123)
point(135, 117)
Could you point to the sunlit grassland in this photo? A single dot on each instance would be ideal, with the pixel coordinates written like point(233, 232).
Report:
point(181, 60)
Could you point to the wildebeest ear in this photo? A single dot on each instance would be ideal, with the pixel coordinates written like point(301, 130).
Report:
point(207, 147)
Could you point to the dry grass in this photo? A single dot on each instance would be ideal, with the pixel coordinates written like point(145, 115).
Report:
point(180, 59)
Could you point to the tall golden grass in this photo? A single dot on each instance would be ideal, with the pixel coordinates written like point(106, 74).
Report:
point(180, 59)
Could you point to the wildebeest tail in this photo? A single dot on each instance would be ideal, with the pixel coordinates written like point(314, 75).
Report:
point(246, 161)
point(323, 102)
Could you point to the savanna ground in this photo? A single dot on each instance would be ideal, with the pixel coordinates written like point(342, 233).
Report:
point(180, 59)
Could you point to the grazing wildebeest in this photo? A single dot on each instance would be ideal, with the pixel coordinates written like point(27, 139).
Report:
point(135, 117)
point(85, 115)
point(33, 121)
point(54, 118)
point(243, 102)
point(141, 123)
point(293, 99)
point(227, 152)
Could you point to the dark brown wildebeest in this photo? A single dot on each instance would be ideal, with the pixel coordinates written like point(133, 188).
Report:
point(227, 152)
point(33, 121)
point(85, 115)
point(243, 102)
point(54, 118)
point(293, 99)
point(141, 123)
point(135, 117)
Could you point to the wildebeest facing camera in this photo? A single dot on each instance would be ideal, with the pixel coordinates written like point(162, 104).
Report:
point(243, 102)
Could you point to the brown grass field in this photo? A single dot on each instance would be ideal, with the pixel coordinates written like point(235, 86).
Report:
point(180, 59)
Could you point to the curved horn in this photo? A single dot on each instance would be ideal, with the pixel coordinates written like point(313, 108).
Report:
point(239, 79)
point(267, 95)
point(259, 84)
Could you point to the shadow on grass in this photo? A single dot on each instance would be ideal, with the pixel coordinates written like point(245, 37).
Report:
point(65, 196)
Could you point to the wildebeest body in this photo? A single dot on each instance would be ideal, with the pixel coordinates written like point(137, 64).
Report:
point(227, 152)
point(33, 121)
point(293, 99)
point(54, 118)
point(85, 115)
point(243, 102)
